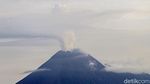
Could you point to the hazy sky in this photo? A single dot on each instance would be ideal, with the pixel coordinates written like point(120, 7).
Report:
point(116, 32)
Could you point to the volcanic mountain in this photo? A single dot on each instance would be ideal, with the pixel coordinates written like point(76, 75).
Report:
point(76, 67)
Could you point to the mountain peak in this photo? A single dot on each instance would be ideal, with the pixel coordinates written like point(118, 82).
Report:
point(75, 67)
point(69, 53)
point(72, 59)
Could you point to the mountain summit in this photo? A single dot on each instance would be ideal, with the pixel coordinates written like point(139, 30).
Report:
point(76, 67)
point(72, 61)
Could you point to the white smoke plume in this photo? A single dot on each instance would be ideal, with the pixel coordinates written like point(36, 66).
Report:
point(69, 40)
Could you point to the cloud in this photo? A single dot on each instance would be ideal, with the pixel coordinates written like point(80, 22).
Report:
point(113, 31)
point(24, 40)
point(37, 70)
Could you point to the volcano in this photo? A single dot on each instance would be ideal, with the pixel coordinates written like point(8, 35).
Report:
point(76, 67)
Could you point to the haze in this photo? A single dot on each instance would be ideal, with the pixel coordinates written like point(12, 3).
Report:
point(116, 32)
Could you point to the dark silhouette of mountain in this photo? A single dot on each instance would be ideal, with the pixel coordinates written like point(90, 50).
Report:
point(76, 67)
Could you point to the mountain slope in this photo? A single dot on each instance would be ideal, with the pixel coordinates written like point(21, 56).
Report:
point(76, 67)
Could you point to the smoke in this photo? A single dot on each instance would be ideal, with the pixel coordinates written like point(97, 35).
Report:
point(14, 40)
point(69, 40)
point(66, 41)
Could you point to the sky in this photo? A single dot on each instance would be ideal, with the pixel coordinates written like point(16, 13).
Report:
point(115, 32)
